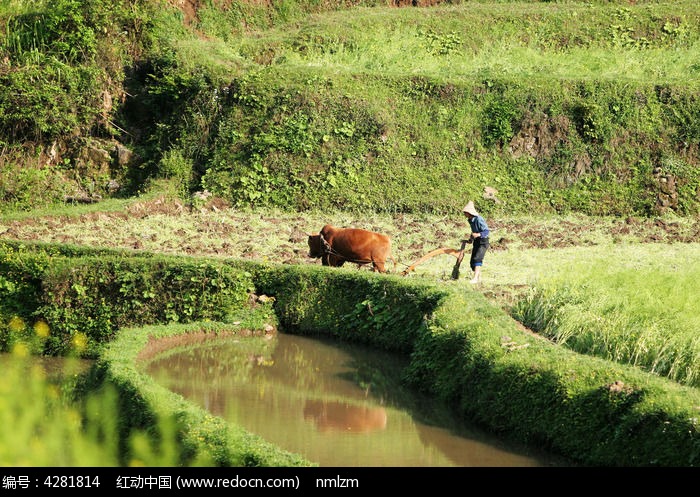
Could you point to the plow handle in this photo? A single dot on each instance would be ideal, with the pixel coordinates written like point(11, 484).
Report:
point(430, 255)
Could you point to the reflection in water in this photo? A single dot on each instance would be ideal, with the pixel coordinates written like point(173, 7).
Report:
point(341, 416)
point(333, 403)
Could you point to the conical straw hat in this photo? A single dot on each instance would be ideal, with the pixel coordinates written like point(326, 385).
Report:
point(470, 209)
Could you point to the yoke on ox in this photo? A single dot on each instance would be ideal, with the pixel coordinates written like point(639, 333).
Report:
point(335, 246)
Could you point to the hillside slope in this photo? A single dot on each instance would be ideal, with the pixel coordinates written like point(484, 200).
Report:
point(565, 107)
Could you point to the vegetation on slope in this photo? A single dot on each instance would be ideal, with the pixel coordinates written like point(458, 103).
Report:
point(584, 107)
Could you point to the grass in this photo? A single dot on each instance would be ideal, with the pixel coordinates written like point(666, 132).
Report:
point(648, 43)
point(628, 304)
point(27, 439)
point(602, 290)
point(41, 425)
point(335, 102)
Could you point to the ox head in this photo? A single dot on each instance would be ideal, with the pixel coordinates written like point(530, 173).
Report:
point(315, 246)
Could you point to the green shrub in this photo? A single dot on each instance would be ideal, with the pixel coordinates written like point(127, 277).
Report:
point(86, 300)
point(74, 301)
point(499, 115)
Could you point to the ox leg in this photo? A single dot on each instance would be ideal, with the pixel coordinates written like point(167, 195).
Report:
point(335, 261)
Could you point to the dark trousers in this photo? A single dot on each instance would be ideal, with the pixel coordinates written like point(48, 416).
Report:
point(479, 248)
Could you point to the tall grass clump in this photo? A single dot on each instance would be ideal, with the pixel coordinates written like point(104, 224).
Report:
point(61, 60)
point(645, 317)
point(37, 428)
point(42, 425)
point(44, 421)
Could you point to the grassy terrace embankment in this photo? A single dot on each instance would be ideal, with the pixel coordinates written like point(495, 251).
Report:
point(464, 350)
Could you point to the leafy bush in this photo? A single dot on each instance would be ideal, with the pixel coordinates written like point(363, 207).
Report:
point(88, 300)
point(55, 303)
point(59, 66)
point(498, 118)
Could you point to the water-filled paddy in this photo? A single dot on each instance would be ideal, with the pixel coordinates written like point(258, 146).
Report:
point(336, 404)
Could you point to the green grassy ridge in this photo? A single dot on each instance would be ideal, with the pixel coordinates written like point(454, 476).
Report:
point(330, 130)
point(592, 410)
point(61, 299)
point(525, 40)
point(82, 299)
point(521, 385)
point(375, 149)
point(203, 439)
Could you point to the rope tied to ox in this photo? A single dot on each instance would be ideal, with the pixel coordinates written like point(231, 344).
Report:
point(458, 253)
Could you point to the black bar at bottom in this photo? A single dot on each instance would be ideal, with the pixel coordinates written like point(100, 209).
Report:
point(208, 481)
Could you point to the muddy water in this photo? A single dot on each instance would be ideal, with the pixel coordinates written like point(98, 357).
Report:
point(336, 405)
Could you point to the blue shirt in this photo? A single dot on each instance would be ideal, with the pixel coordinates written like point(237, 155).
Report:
point(478, 225)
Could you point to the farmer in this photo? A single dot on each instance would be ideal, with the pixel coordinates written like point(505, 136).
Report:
point(480, 239)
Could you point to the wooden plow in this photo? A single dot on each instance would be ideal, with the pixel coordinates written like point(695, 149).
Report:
point(458, 253)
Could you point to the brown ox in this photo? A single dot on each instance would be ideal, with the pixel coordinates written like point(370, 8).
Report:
point(335, 246)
